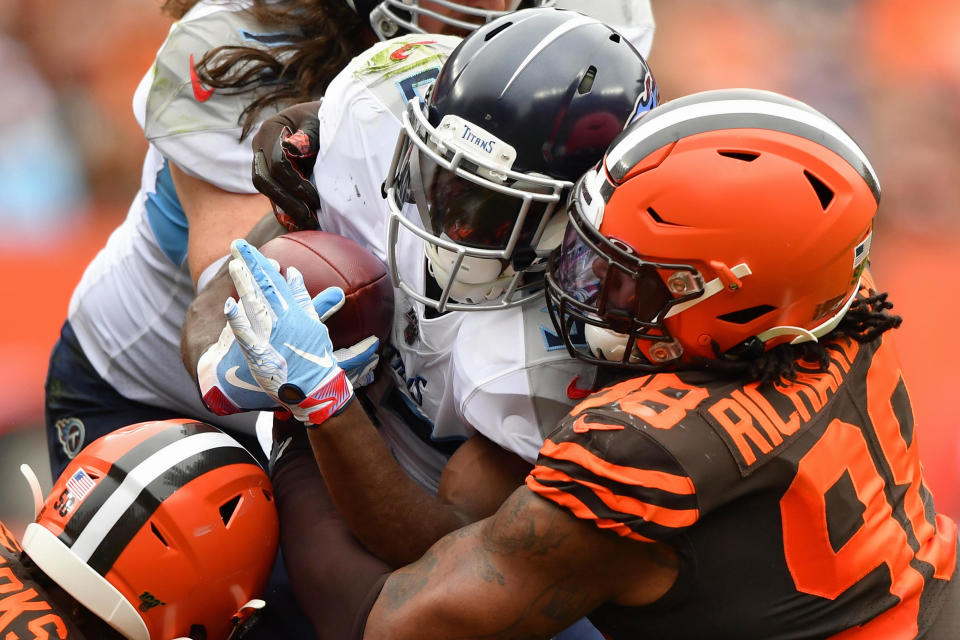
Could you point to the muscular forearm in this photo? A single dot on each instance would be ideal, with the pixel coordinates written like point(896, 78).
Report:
point(204, 320)
point(334, 588)
point(390, 514)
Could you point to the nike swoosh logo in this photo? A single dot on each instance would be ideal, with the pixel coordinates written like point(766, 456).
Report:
point(324, 361)
point(404, 52)
point(577, 393)
point(582, 426)
point(235, 380)
point(200, 92)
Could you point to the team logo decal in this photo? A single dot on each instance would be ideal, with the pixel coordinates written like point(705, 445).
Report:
point(149, 601)
point(552, 340)
point(647, 98)
point(70, 433)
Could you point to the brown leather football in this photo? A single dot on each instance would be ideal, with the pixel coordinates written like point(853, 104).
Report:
point(327, 260)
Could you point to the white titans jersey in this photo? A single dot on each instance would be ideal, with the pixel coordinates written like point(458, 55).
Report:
point(504, 373)
point(130, 304)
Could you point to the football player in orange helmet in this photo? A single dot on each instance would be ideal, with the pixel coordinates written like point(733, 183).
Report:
point(767, 248)
point(159, 530)
point(761, 478)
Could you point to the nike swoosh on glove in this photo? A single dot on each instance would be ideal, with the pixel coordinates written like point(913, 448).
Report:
point(226, 384)
point(281, 333)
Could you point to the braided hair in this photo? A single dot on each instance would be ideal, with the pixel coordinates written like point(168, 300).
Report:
point(865, 321)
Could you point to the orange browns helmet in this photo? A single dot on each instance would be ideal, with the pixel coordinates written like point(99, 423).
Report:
point(722, 223)
point(163, 529)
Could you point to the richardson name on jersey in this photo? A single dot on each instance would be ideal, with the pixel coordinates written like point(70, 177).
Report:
point(756, 425)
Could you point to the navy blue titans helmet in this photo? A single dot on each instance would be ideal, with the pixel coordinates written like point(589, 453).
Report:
point(521, 109)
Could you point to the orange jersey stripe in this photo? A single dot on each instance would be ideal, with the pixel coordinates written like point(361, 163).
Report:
point(572, 452)
point(581, 510)
point(663, 516)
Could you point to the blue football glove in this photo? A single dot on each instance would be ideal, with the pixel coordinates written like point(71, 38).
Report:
point(228, 387)
point(360, 361)
point(226, 384)
point(281, 333)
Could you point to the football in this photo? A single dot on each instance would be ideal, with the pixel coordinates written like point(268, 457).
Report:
point(327, 260)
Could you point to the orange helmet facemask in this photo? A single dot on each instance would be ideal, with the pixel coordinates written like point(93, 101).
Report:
point(162, 529)
point(724, 222)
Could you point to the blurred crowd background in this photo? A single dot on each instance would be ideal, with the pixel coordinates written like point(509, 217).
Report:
point(887, 70)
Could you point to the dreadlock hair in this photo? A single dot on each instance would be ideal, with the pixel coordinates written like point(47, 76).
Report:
point(324, 35)
point(865, 321)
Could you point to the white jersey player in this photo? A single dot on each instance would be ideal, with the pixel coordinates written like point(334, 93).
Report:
point(119, 357)
point(474, 151)
point(503, 371)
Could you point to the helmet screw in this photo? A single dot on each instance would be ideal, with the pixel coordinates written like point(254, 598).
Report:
point(388, 27)
point(678, 283)
point(663, 351)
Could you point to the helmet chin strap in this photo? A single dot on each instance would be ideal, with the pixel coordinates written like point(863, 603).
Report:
point(34, 484)
point(811, 335)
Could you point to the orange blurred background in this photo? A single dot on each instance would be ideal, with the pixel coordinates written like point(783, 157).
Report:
point(887, 70)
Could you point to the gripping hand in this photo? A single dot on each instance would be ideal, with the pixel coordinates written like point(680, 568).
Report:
point(226, 384)
point(284, 152)
point(281, 333)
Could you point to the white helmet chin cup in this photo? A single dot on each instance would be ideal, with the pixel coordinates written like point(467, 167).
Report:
point(476, 280)
point(605, 343)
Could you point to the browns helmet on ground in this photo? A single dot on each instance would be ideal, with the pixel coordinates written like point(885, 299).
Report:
point(162, 529)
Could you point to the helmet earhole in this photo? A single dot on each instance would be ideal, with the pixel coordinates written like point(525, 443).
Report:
point(586, 84)
point(824, 193)
point(159, 535)
point(227, 510)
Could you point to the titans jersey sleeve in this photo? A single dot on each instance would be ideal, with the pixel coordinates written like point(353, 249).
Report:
point(195, 126)
point(25, 609)
point(798, 510)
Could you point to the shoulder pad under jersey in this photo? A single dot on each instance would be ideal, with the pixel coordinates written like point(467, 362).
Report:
point(400, 69)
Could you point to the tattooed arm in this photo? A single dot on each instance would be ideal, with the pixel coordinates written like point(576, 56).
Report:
point(528, 571)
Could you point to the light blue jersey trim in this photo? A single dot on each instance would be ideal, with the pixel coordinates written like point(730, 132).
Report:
point(166, 217)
